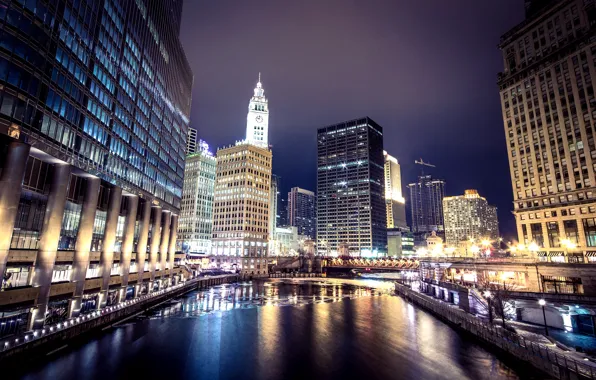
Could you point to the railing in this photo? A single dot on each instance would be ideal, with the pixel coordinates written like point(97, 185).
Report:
point(539, 355)
point(29, 336)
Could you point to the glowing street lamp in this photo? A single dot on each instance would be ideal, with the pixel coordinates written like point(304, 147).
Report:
point(542, 302)
point(475, 249)
point(485, 243)
point(533, 247)
point(488, 295)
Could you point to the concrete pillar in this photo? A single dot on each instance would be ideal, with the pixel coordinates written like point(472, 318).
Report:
point(106, 259)
point(163, 247)
point(83, 244)
point(154, 248)
point(48, 243)
point(142, 243)
point(172, 245)
point(127, 242)
point(11, 183)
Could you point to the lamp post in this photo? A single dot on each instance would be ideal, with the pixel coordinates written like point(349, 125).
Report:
point(488, 295)
point(542, 302)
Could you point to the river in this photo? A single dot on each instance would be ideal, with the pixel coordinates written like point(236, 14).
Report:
point(281, 329)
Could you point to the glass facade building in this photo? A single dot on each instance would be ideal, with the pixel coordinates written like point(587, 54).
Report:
point(94, 111)
point(302, 211)
point(426, 204)
point(350, 189)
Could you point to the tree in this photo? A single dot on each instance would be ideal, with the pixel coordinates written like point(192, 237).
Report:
point(500, 293)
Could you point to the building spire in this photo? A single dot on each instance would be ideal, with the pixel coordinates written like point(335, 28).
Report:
point(259, 77)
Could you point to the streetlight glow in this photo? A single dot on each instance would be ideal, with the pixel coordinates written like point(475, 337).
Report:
point(541, 302)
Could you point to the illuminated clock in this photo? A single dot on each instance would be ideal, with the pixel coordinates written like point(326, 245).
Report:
point(259, 119)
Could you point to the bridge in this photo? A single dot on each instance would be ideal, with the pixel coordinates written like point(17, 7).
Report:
point(372, 263)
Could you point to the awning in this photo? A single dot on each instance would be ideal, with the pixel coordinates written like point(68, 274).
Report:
point(556, 253)
point(591, 253)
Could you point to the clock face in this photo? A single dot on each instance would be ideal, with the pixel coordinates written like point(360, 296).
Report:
point(259, 119)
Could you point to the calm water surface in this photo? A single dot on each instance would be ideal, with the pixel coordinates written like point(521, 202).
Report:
point(279, 330)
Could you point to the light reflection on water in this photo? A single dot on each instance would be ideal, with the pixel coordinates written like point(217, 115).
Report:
point(328, 331)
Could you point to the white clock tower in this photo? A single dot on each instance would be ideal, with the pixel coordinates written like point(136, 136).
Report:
point(257, 120)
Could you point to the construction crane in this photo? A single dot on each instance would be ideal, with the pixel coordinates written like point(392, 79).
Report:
point(423, 164)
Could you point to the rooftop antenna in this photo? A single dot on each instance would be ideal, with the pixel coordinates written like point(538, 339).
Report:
point(423, 164)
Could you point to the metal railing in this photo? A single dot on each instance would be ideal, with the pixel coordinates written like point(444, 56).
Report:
point(31, 335)
point(539, 355)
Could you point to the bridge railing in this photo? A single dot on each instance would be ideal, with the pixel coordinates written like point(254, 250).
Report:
point(539, 355)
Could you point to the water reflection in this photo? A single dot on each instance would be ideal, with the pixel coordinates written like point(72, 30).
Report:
point(279, 330)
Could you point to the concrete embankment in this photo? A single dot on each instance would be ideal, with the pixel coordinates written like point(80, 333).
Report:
point(548, 359)
point(51, 338)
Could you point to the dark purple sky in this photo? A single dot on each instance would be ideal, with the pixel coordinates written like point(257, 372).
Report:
point(424, 70)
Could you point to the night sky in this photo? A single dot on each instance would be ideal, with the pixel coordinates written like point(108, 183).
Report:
point(424, 70)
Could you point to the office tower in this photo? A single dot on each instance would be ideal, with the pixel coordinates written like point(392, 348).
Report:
point(395, 203)
point(302, 212)
point(273, 202)
point(350, 189)
point(196, 211)
point(241, 215)
point(469, 216)
point(547, 98)
point(95, 104)
point(192, 142)
point(282, 211)
point(426, 203)
point(257, 119)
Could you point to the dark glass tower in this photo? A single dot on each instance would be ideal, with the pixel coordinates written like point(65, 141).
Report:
point(301, 211)
point(426, 203)
point(94, 110)
point(350, 189)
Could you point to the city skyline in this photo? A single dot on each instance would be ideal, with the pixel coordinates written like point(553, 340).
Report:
point(464, 99)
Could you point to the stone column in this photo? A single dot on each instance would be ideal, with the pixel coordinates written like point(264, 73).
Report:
point(127, 241)
point(106, 258)
point(83, 244)
point(172, 245)
point(48, 243)
point(165, 239)
point(154, 248)
point(142, 243)
point(11, 182)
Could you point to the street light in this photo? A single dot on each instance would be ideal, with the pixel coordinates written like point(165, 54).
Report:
point(488, 295)
point(542, 302)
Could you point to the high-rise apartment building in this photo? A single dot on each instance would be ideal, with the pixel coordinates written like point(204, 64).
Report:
point(192, 141)
point(196, 212)
point(302, 211)
point(94, 110)
point(426, 204)
point(469, 216)
point(241, 212)
point(549, 114)
point(350, 189)
point(282, 211)
point(395, 203)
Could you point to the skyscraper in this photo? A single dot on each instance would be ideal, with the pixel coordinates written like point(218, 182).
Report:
point(257, 119)
point(192, 142)
point(469, 216)
point(547, 98)
point(395, 203)
point(350, 189)
point(302, 212)
point(241, 215)
point(426, 203)
point(94, 111)
point(273, 199)
point(196, 212)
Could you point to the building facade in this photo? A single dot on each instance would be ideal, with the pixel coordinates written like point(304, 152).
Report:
point(400, 242)
point(426, 204)
point(469, 216)
point(195, 224)
point(192, 141)
point(273, 203)
point(549, 114)
point(350, 189)
point(395, 203)
point(286, 241)
point(241, 209)
point(302, 211)
point(94, 111)
point(243, 195)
